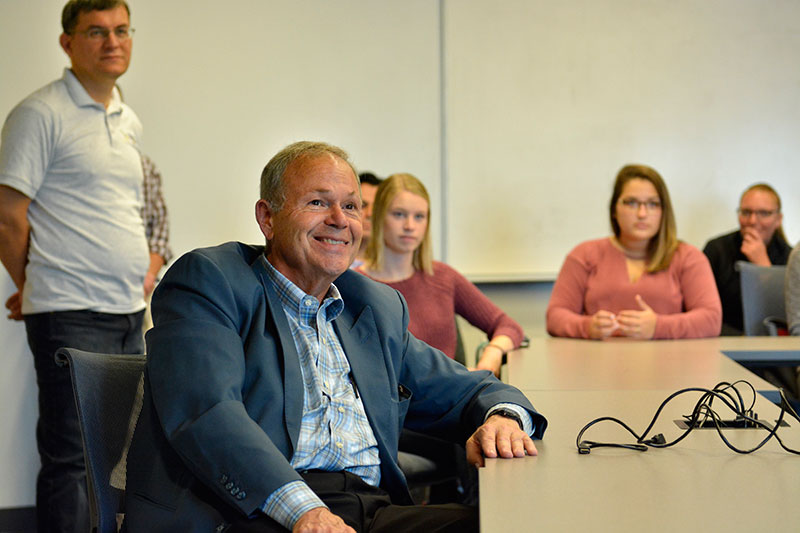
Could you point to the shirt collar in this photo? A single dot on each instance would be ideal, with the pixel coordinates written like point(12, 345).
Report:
point(297, 302)
point(81, 97)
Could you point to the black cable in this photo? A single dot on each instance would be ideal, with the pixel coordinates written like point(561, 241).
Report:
point(725, 392)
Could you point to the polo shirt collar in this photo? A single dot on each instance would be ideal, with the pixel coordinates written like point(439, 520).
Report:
point(82, 99)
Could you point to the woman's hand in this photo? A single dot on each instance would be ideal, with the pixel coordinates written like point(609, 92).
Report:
point(603, 324)
point(491, 359)
point(638, 324)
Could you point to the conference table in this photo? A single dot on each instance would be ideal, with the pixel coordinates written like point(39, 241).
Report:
point(577, 364)
point(697, 485)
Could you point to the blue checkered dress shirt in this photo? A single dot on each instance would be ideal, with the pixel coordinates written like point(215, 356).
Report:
point(335, 434)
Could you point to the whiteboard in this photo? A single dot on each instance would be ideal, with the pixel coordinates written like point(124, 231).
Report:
point(546, 101)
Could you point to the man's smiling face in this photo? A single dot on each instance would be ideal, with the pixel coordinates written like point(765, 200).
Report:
point(316, 234)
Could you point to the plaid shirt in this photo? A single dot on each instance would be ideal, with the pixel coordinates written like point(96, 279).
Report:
point(154, 211)
point(335, 434)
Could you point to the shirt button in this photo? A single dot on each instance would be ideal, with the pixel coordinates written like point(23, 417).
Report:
point(308, 302)
point(341, 409)
point(339, 445)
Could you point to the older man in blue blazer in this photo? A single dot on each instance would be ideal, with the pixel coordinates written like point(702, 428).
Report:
point(278, 380)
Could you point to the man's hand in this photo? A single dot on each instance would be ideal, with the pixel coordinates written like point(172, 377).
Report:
point(149, 284)
point(754, 248)
point(498, 437)
point(638, 324)
point(321, 520)
point(14, 306)
point(156, 262)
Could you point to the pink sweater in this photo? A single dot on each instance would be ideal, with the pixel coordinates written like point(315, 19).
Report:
point(594, 277)
point(434, 301)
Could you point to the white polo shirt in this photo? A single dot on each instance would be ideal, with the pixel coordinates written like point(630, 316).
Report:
point(80, 165)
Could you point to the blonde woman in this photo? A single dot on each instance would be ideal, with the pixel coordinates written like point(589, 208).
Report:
point(399, 254)
point(641, 282)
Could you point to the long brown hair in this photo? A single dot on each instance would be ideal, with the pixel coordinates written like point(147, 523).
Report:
point(664, 243)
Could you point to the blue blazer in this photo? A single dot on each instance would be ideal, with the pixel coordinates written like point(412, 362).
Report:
point(224, 393)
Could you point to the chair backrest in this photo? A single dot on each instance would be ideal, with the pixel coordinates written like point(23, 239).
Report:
point(105, 388)
point(460, 355)
point(762, 296)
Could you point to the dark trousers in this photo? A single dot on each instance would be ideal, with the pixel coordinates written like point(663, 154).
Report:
point(368, 509)
point(61, 498)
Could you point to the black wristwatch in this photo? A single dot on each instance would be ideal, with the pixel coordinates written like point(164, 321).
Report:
point(508, 413)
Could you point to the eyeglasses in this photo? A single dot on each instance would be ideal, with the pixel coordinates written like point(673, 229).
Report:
point(633, 204)
point(759, 213)
point(123, 33)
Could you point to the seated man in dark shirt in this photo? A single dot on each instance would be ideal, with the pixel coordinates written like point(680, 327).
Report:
point(759, 239)
point(278, 380)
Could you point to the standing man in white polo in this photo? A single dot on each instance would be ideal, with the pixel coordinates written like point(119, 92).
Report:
point(72, 236)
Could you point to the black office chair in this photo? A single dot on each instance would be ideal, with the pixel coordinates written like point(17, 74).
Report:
point(460, 354)
point(105, 387)
point(763, 302)
point(424, 475)
point(775, 326)
point(422, 463)
point(764, 311)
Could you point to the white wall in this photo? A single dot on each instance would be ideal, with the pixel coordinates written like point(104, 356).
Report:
point(19, 461)
point(220, 90)
point(550, 99)
point(29, 37)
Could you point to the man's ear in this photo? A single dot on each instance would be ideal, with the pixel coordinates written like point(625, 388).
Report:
point(66, 43)
point(265, 218)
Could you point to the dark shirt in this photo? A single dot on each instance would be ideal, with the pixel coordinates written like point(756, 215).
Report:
point(722, 253)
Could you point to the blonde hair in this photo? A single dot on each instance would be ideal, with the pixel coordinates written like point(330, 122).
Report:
point(388, 189)
point(664, 243)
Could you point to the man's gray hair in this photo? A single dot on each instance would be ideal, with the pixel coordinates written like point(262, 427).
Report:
point(273, 189)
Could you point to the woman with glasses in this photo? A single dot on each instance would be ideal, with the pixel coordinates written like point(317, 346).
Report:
point(759, 239)
point(641, 282)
